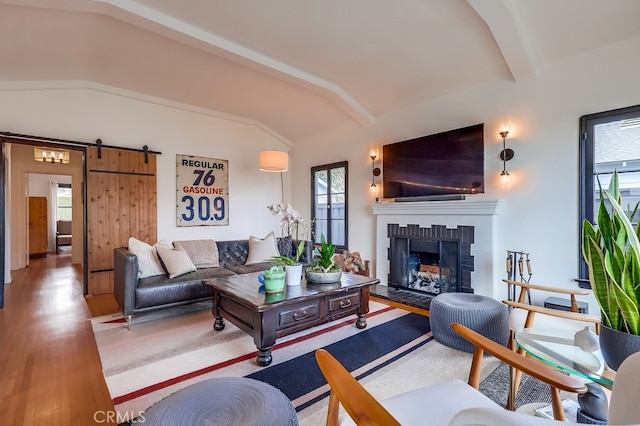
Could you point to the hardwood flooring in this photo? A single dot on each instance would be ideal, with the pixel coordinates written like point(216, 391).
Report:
point(50, 371)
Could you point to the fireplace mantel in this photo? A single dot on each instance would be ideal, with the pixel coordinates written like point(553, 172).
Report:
point(481, 214)
point(458, 207)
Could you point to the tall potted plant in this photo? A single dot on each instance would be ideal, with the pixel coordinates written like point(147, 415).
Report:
point(612, 252)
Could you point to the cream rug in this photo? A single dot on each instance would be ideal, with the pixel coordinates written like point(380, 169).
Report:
point(170, 349)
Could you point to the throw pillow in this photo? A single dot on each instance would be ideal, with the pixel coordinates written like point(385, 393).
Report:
point(176, 261)
point(148, 262)
point(262, 249)
point(285, 246)
point(203, 253)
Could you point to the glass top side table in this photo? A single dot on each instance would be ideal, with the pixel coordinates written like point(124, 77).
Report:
point(556, 347)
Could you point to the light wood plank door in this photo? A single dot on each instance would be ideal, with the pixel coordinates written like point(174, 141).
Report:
point(38, 231)
point(122, 200)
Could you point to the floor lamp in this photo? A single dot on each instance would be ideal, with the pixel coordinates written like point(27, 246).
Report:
point(274, 161)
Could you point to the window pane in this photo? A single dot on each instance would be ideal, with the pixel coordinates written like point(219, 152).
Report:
point(63, 195)
point(330, 203)
point(321, 182)
point(617, 147)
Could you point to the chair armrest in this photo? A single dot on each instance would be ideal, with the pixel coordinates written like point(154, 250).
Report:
point(530, 366)
point(533, 309)
point(125, 279)
point(575, 291)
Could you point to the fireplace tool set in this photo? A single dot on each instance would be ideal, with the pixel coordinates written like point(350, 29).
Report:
point(521, 259)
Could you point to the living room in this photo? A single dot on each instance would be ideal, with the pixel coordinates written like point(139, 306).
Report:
point(542, 98)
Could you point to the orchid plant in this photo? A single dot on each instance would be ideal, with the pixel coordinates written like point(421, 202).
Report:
point(290, 218)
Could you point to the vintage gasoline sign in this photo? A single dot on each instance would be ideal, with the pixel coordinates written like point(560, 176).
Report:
point(202, 186)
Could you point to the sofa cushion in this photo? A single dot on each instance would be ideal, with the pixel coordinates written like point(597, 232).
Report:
point(148, 262)
point(203, 253)
point(285, 246)
point(176, 261)
point(252, 267)
point(262, 249)
point(160, 290)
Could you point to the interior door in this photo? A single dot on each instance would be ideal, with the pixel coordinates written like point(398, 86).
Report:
point(121, 203)
point(38, 229)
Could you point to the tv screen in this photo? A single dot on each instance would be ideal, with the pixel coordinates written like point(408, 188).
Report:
point(442, 164)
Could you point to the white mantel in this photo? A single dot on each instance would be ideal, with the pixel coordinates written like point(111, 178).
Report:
point(481, 214)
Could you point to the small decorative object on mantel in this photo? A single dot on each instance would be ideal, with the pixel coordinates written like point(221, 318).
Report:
point(323, 269)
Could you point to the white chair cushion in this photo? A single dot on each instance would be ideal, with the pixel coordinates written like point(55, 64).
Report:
point(518, 316)
point(433, 405)
point(478, 416)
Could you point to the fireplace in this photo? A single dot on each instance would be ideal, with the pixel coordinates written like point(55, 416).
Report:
point(430, 260)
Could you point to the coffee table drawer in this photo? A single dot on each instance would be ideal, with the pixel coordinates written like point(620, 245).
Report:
point(344, 302)
point(300, 314)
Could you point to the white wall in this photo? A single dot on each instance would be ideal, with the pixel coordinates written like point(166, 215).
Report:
point(540, 213)
point(120, 120)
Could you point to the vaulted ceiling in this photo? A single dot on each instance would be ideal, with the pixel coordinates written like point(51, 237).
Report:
point(300, 67)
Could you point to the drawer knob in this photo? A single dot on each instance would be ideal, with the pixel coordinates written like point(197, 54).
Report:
point(345, 303)
point(300, 315)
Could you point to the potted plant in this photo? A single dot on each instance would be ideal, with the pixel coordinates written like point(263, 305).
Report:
point(292, 265)
point(323, 269)
point(612, 252)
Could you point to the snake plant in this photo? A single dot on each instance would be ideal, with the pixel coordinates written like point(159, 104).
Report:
point(612, 252)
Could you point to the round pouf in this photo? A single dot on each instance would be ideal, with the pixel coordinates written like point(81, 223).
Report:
point(223, 401)
point(481, 314)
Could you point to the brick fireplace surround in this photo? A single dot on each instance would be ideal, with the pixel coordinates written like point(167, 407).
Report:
point(481, 214)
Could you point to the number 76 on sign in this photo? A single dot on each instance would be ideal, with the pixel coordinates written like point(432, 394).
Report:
point(202, 187)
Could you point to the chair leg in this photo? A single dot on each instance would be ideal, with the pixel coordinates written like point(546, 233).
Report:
point(129, 322)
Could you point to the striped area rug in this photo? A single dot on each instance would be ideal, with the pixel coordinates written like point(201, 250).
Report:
point(170, 349)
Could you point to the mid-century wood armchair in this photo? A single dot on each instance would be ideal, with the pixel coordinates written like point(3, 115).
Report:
point(435, 404)
point(523, 315)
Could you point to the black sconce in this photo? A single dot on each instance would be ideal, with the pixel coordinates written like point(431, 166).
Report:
point(505, 155)
point(375, 171)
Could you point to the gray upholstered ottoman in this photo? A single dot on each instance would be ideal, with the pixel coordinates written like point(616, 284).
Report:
point(482, 314)
point(223, 401)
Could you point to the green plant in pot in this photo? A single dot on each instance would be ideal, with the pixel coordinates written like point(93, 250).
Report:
point(612, 252)
point(292, 265)
point(323, 269)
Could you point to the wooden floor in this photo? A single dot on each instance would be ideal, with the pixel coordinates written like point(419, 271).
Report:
point(50, 371)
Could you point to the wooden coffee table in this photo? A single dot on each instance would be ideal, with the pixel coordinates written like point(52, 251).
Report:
point(267, 317)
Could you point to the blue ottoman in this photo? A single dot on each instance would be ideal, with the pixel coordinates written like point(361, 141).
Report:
point(482, 314)
point(223, 401)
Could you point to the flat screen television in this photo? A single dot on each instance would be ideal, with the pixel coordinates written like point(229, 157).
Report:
point(448, 163)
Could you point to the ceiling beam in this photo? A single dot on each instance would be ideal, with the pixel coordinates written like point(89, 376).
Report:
point(502, 21)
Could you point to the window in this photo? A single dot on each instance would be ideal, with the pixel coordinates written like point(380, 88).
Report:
point(329, 203)
point(610, 141)
point(63, 201)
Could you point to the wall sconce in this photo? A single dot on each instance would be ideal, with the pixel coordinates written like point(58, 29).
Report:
point(50, 155)
point(274, 161)
point(375, 171)
point(505, 155)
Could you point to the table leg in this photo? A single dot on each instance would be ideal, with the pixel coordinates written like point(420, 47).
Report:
point(362, 321)
point(218, 324)
point(264, 356)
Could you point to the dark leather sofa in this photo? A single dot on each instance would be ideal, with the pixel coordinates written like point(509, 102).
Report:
point(135, 295)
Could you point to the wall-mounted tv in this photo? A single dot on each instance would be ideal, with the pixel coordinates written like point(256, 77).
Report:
point(446, 163)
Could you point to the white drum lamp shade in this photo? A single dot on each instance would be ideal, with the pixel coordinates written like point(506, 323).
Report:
point(273, 161)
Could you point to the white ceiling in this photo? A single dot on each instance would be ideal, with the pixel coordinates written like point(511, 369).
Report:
point(301, 67)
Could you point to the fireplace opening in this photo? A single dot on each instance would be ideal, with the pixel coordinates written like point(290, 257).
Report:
point(430, 260)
